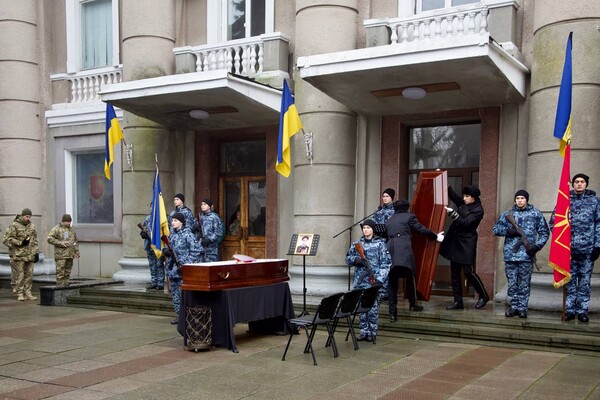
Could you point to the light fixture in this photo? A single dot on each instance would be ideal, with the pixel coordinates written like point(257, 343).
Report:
point(414, 93)
point(199, 114)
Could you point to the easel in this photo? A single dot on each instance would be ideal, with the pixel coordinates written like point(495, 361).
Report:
point(349, 229)
point(312, 251)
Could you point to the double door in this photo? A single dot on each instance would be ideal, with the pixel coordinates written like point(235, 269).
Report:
point(243, 204)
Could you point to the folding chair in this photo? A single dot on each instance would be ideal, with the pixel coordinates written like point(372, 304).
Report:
point(367, 300)
point(348, 305)
point(323, 316)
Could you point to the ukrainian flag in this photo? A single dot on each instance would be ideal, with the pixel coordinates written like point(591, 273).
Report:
point(289, 125)
point(114, 135)
point(562, 125)
point(158, 225)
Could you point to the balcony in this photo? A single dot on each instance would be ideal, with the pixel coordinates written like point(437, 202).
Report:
point(461, 57)
point(232, 82)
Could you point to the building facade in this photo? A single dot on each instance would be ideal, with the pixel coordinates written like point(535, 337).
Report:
point(384, 89)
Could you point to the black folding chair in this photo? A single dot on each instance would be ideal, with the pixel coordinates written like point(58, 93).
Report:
point(367, 300)
point(348, 305)
point(324, 316)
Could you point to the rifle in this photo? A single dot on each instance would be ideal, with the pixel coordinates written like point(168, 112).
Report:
point(142, 228)
point(511, 220)
point(361, 253)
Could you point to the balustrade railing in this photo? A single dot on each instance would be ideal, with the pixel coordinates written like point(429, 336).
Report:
point(242, 57)
point(455, 23)
point(85, 85)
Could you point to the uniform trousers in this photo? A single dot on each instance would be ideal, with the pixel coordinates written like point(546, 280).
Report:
point(518, 275)
point(24, 276)
point(473, 279)
point(157, 269)
point(63, 271)
point(175, 285)
point(578, 288)
point(368, 321)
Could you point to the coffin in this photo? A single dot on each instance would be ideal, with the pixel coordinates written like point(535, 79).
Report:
point(429, 200)
point(221, 275)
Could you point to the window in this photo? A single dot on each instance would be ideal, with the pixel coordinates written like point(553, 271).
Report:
point(93, 201)
point(239, 19)
point(92, 34)
point(427, 5)
point(82, 190)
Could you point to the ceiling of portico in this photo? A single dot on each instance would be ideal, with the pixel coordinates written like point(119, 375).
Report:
point(231, 101)
point(464, 74)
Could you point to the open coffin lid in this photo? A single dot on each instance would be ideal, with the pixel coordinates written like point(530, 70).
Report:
point(428, 202)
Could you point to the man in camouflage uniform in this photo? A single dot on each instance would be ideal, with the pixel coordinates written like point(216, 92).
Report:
point(13, 272)
point(157, 267)
point(379, 259)
point(66, 247)
point(180, 207)
point(21, 239)
point(187, 251)
point(518, 261)
point(584, 217)
point(212, 231)
point(386, 210)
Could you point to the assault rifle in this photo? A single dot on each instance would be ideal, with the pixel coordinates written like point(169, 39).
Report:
point(523, 240)
point(361, 252)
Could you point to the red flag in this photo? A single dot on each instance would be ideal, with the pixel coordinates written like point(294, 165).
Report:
point(560, 246)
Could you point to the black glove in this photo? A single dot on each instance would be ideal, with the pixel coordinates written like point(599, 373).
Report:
point(144, 235)
point(531, 252)
point(204, 242)
point(36, 258)
point(196, 227)
point(25, 242)
point(166, 253)
point(512, 232)
point(358, 262)
point(595, 253)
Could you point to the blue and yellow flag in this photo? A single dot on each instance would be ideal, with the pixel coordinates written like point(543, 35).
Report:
point(159, 224)
point(562, 125)
point(289, 125)
point(114, 135)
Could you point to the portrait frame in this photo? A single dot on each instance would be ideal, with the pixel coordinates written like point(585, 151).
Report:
point(304, 244)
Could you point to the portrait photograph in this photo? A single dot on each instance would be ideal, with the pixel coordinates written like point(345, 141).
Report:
point(303, 244)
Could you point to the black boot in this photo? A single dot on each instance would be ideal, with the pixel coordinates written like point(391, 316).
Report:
point(457, 305)
point(393, 313)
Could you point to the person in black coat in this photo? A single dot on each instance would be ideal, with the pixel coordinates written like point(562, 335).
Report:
point(460, 245)
point(399, 228)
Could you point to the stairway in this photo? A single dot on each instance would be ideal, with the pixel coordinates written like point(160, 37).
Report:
point(117, 298)
point(541, 329)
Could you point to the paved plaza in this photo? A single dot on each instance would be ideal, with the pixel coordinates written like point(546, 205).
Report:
point(76, 353)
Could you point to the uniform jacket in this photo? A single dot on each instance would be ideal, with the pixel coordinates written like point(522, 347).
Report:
point(187, 213)
point(584, 217)
point(64, 241)
point(187, 249)
point(399, 229)
point(460, 243)
point(533, 224)
point(213, 230)
point(384, 213)
point(377, 255)
point(146, 226)
point(18, 231)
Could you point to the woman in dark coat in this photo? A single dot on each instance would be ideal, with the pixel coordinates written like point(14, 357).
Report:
point(460, 244)
point(399, 228)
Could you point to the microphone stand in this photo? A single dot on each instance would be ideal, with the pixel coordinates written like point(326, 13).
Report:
point(349, 229)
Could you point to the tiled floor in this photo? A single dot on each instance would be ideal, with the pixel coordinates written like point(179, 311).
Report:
point(73, 353)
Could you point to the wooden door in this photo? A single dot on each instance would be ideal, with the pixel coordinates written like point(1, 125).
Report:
point(243, 201)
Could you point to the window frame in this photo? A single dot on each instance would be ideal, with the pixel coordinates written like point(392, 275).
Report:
point(73, 24)
point(65, 150)
point(217, 23)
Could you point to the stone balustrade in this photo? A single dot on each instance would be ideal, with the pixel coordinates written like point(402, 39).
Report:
point(85, 85)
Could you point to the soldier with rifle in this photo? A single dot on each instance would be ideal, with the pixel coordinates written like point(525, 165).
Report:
point(371, 262)
point(526, 232)
point(182, 248)
point(157, 267)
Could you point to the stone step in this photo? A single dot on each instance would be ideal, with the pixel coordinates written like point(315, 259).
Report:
point(156, 303)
